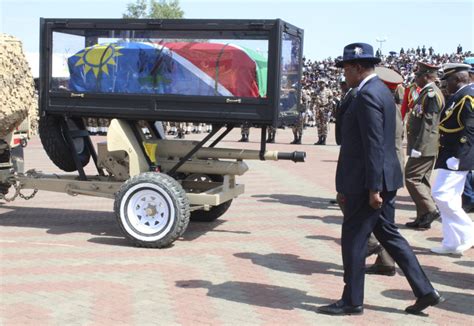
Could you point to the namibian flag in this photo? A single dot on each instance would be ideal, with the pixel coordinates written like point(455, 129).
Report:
point(182, 68)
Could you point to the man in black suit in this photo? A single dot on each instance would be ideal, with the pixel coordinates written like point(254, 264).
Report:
point(368, 176)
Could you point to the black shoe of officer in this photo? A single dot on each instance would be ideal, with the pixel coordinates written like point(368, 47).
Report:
point(298, 141)
point(414, 224)
point(244, 139)
point(295, 141)
point(380, 270)
point(319, 141)
point(468, 208)
point(427, 219)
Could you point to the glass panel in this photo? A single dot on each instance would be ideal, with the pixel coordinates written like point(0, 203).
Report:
point(231, 64)
point(289, 83)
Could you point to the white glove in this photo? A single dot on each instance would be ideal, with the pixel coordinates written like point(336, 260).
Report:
point(452, 163)
point(415, 154)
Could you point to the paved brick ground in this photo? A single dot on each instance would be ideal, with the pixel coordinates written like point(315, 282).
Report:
point(272, 259)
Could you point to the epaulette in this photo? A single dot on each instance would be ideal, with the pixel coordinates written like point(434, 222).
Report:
point(431, 92)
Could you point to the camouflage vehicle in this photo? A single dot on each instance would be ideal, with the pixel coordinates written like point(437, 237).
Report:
point(137, 73)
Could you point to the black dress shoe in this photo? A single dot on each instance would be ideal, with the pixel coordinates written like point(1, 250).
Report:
point(375, 250)
point(380, 270)
point(427, 219)
point(339, 309)
point(430, 299)
point(468, 208)
point(414, 224)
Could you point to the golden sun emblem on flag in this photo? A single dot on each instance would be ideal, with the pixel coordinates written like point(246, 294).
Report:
point(98, 57)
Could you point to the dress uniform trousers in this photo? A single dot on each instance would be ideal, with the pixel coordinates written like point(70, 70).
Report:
point(359, 221)
point(417, 180)
point(458, 227)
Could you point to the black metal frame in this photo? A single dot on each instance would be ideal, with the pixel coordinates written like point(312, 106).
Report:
point(211, 109)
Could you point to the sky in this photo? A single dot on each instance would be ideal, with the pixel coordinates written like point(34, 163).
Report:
point(328, 25)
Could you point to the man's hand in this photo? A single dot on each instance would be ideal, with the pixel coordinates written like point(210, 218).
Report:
point(340, 200)
point(452, 163)
point(375, 201)
point(415, 154)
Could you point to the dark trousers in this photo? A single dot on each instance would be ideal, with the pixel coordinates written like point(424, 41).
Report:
point(359, 221)
point(468, 194)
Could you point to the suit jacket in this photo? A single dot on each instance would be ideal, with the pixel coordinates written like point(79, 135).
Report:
point(340, 109)
point(456, 130)
point(423, 120)
point(367, 159)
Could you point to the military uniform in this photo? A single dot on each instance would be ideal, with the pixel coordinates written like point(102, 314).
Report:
point(322, 114)
point(455, 159)
point(422, 147)
point(271, 134)
point(298, 126)
point(92, 125)
point(245, 132)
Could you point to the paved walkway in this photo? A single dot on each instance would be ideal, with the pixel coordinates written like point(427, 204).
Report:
point(272, 259)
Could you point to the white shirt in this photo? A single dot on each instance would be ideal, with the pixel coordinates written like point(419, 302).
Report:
point(365, 80)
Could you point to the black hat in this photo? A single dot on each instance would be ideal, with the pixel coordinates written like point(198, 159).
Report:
point(358, 52)
point(451, 68)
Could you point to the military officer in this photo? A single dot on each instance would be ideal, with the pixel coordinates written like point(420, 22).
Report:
point(422, 145)
point(455, 159)
point(322, 111)
point(245, 132)
point(298, 127)
point(271, 131)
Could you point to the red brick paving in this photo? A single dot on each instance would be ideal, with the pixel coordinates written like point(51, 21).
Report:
point(270, 260)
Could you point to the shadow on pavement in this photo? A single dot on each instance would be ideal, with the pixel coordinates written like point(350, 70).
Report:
point(291, 264)
point(268, 296)
point(461, 303)
point(61, 221)
point(97, 223)
point(257, 294)
point(198, 229)
point(467, 263)
point(331, 219)
point(453, 279)
point(325, 238)
point(297, 200)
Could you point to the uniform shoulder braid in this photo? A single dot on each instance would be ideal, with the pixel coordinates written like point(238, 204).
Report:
point(431, 99)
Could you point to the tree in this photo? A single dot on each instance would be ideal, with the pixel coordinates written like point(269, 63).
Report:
point(154, 9)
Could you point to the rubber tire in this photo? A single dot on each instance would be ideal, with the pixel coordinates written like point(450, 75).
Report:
point(55, 145)
point(216, 211)
point(211, 215)
point(179, 200)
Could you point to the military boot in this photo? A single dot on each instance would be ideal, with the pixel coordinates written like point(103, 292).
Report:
point(319, 141)
point(295, 139)
point(244, 139)
point(271, 138)
point(298, 140)
point(323, 140)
